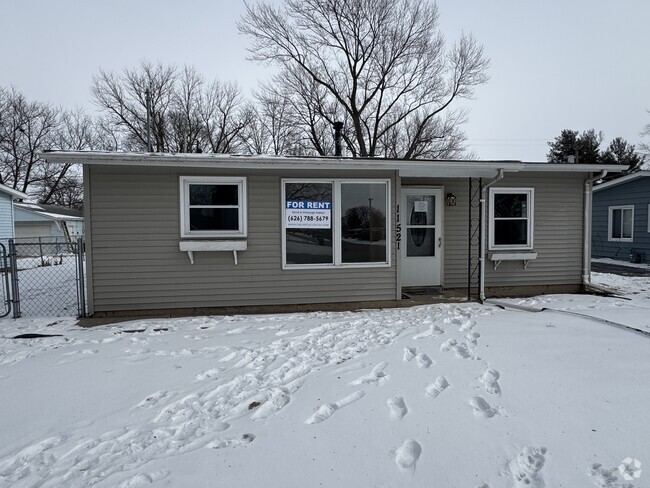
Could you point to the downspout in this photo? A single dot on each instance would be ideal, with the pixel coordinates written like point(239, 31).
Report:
point(481, 289)
point(586, 238)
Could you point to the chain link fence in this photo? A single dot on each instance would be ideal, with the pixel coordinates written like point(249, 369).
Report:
point(46, 277)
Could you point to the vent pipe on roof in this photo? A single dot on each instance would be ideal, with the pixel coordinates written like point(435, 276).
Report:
point(338, 139)
point(147, 95)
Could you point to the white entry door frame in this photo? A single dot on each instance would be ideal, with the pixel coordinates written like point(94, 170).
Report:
point(421, 239)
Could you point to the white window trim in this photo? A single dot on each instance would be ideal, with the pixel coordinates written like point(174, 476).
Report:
point(336, 223)
point(610, 211)
point(530, 219)
point(185, 181)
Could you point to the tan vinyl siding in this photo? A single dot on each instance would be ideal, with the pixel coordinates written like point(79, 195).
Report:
point(558, 222)
point(558, 232)
point(137, 265)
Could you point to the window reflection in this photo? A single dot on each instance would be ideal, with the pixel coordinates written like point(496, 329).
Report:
point(363, 222)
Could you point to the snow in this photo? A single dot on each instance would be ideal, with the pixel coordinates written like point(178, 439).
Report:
point(448, 395)
point(619, 262)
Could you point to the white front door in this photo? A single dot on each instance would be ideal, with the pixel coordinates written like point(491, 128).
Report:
point(421, 236)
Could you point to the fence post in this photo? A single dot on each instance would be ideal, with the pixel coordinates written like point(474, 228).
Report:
point(13, 266)
point(81, 278)
point(5, 279)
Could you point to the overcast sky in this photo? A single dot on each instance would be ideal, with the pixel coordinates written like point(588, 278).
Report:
point(573, 64)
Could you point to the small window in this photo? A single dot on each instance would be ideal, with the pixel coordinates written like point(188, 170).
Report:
point(213, 206)
point(621, 223)
point(511, 218)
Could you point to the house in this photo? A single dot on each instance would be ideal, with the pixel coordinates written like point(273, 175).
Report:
point(183, 232)
point(50, 223)
point(621, 218)
point(7, 197)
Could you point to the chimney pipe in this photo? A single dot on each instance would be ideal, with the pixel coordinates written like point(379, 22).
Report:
point(338, 139)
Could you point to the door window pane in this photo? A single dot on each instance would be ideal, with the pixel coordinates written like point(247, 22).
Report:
point(309, 234)
point(363, 222)
point(421, 209)
point(420, 242)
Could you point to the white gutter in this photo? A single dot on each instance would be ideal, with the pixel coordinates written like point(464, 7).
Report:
point(586, 238)
point(483, 251)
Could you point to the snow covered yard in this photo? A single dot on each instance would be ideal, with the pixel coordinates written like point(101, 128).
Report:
point(454, 395)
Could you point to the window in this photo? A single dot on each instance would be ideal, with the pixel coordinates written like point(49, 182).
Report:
point(335, 223)
point(213, 206)
point(511, 218)
point(620, 223)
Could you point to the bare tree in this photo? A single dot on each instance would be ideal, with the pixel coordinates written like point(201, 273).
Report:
point(187, 113)
point(644, 147)
point(76, 131)
point(381, 63)
point(123, 100)
point(26, 128)
point(273, 128)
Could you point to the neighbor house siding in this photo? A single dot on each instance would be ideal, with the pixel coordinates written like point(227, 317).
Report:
point(6, 219)
point(137, 264)
point(635, 193)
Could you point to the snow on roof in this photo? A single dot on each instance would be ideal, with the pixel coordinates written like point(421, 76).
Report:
point(53, 212)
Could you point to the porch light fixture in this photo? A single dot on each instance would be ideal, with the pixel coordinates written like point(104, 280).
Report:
point(451, 200)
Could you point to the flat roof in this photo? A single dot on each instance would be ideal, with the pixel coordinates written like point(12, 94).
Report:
point(406, 167)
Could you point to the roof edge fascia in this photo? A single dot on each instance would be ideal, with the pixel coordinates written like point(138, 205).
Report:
point(227, 161)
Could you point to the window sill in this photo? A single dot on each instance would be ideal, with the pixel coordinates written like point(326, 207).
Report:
point(199, 246)
point(497, 257)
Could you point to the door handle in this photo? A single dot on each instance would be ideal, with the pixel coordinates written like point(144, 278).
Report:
point(439, 241)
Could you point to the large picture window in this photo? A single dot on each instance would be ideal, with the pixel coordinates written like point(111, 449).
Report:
point(511, 218)
point(213, 206)
point(335, 222)
point(621, 223)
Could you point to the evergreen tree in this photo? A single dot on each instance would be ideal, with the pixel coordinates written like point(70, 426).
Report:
point(620, 151)
point(585, 147)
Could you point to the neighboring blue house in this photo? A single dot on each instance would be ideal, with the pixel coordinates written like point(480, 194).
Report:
point(7, 197)
point(621, 218)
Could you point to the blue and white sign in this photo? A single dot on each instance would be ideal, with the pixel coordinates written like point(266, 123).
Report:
point(302, 214)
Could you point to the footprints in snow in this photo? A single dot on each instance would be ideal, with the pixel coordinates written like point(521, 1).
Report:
point(482, 409)
point(437, 387)
point(397, 407)
point(408, 454)
point(525, 468)
point(376, 376)
point(489, 380)
point(326, 410)
point(422, 359)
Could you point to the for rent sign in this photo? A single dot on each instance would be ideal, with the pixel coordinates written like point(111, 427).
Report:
point(301, 214)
